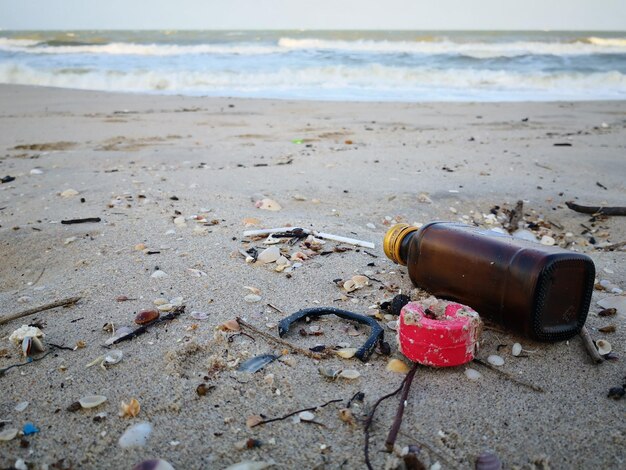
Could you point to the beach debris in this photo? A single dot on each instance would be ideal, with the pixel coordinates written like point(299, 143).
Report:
point(300, 232)
point(357, 282)
point(91, 401)
point(603, 346)
point(608, 329)
point(21, 406)
point(396, 365)
point(306, 416)
point(7, 179)
point(364, 352)
point(249, 465)
point(268, 204)
point(69, 193)
point(617, 393)
point(25, 331)
point(516, 349)
point(269, 255)
point(345, 415)
point(146, 316)
point(397, 422)
point(589, 345)
point(495, 360)
point(349, 374)
point(31, 311)
point(203, 389)
point(117, 334)
point(346, 353)
point(607, 312)
point(130, 409)
point(136, 435)
point(596, 210)
point(328, 372)
point(81, 221)
point(29, 428)
point(293, 413)
point(473, 374)
point(8, 434)
point(488, 461)
point(230, 325)
point(143, 328)
point(199, 315)
point(252, 298)
point(257, 363)
point(158, 274)
point(153, 464)
point(31, 345)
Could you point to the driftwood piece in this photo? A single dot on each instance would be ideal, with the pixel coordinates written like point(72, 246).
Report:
point(596, 210)
point(31, 311)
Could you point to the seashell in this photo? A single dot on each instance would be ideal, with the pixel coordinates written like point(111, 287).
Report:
point(199, 315)
point(306, 416)
point(488, 461)
point(315, 329)
point(113, 357)
point(154, 464)
point(396, 365)
point(346, 353)
point(546, 240)
point(346, 416)
point(249, 465)
point(252, 298)
point(136, 436)
point(8, 434)
point(256, 363)
point(230, 325)
point(472, 374)
point(91, 401)
point(23, 331)
point(69, 193)
point(608, 329)
point(177, 301)
point(165, 308)
point(31, 345)
point(123, 331)
point(603, 346)
point(130, 409)
point(607, 312)
point(146, 316)
point(393, 325)
point(159, 274)
point(253, 290)
point(269, 255)
point(267, 204)
point(253, 421)
point(329, 373)
point(516, 350)
point(282, 261)
point(160, 301)
point(350, 374)
point(495, 360)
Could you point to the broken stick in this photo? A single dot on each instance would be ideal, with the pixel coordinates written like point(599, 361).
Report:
point(596, 210)
point(590, 346)
point(397, 422)
point(31, 311)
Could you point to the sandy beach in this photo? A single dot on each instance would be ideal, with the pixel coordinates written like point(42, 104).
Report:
point(175, 181)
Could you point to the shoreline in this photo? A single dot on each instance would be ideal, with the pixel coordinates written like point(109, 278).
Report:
point(140, 162)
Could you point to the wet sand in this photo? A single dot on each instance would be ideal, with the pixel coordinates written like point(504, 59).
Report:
point(140, 163)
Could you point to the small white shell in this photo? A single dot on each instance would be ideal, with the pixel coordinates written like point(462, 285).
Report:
point(328, 372)
point(495, 360)
point(269, 255)
point(350, 374)
point(306, 416)
point(91, 401)
point(346, 353)
point(604, 347)
point(199, 315)
point(251, 298)
point(516, 350)
point(8, 434)
point(136, 436)
point(122, 331)
point(113, 357)
point(21, 406)
point(473, 374)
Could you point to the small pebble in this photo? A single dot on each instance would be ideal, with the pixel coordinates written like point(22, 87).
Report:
point(136, 436)
point(495, 360)
point(516, 350)
point(36, 171)
point(21, 406)
point(306, 416)
point(473, 374)
point(159, 274)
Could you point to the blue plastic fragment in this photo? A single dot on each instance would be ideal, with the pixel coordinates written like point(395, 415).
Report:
point(29, 428)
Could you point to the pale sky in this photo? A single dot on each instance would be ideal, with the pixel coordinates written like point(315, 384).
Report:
point(315, 14)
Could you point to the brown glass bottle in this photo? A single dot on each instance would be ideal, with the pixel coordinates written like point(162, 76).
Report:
point(541, 292)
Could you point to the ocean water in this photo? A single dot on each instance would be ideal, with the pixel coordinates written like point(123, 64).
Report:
point(325, 65)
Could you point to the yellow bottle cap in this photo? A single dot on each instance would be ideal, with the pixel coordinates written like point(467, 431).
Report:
point(393, 241)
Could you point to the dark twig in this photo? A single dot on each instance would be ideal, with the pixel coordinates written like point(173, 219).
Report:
point(508, 376)
point(58, 346)
point(614, 246)
point(357, 396)
point(397, 422)
point(596, 210)
point(142, 329)
point(81, 221)
point(280, 341)
point(590, 346)
point(28, 361)
point(370, 418)
point(231, 338)
point(271, 420)
point(55, 304)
